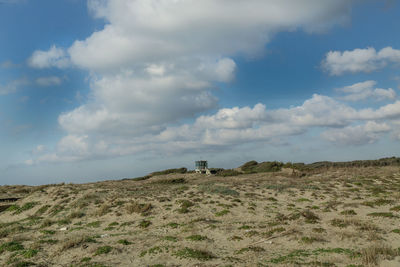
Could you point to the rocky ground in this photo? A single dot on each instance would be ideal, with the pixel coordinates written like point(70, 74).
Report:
point(331, 217)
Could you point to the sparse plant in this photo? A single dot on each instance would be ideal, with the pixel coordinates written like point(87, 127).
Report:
point(144, 224)
point(103, 250)
point(196, 238)
point(142, 208)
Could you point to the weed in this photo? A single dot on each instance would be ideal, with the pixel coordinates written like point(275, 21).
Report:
point(95, 224)
point(29, 253)
point(173, 225)
point(273, 231)
point(310, 216)
point(378, 202)
point(340, 223)
point(395, 208)
point(216, 189)
point(303, 200)
point(103, 210)
point(144, 224)
point(171, 238)
point(42, 210)
point(235, 238)
point(169, 171)
point(76, 241)
point(170, 181)
point(141, 208)
point(221, 213)
point(227, 173)
point(196, 238)
point(251, 248)
point(103, 250)
point(25, 207)
point(310, 240)
point(124, 242)
point(348, 212)
point(11, 246)
point(382, 214)
point(185, 205)
point(76, 215)
point(371, 255)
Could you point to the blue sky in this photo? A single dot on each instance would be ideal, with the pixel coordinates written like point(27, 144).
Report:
point(107, 89)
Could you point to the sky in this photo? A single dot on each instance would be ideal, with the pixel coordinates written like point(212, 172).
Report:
point(109, 89)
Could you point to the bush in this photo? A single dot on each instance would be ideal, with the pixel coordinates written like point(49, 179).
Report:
point(171, 181)
point(217, 189)
point(141, 208)
point(230, 172)
point(248, 166)
point(268, 166)
point(103, 250)
point(169, 171)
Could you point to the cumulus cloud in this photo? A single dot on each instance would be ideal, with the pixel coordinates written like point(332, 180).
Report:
point(357, 135)
point(364, 90)
point(48, 81)
point(156, 63)
point(153, 30)
point(359, 60)
point(229, 127)
point(54, 57)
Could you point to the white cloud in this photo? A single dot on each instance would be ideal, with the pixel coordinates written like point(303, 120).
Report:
point(152, 30)
point(54, 57)
point(157, 62)
point(364, 90)
point(359, 60)
point(48, 81)
point(13, 86)
point(227, 128)
point(357, 135)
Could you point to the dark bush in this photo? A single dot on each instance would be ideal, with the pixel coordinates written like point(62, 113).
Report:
point(169, 171)
point(249, 166)
point(230, 172)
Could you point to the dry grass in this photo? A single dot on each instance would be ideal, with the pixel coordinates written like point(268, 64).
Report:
point(322, 217)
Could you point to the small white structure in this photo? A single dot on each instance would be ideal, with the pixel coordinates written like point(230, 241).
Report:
point(202, 167)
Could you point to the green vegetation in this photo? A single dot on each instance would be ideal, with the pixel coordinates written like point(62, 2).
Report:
point(170, 181)
point(298, 254)
point(268, 166)
point(227, 173)
point(382, 214)
point(196, 238)
point(142, 208)
point(217, 189)
point(171, 238)
point(124, 242)
point(17, 209)
point(103, 250)
point(11, 246)
point(185, 205)
point(251, 248)
point(348, 212)
point(221, 213)
point(169, 171)
point(144, 224)
point(95, 224)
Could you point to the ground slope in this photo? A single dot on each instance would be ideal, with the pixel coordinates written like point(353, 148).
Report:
point(331, 217)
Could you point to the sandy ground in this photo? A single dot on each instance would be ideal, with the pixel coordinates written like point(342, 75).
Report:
point(336, 217)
